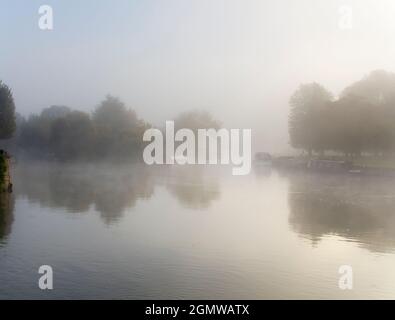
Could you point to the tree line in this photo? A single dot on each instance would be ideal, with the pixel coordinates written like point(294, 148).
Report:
point(112, 130)
point(59, 132)
point(361, 120)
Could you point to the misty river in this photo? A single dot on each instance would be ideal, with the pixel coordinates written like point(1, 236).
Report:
point(137, 232)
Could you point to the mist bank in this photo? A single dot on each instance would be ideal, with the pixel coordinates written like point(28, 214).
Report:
point(358, 122)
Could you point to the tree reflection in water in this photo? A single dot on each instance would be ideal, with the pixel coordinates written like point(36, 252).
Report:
point(111, 189)
point(6, 215)
point(357, 208)
point(192, 187)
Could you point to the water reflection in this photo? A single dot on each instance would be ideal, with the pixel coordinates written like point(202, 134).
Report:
point(359, 209)
point(261, 171)
point(6, 215)
point(110, 189)
point(78, 187)
point(192, 187)
point(240, 231)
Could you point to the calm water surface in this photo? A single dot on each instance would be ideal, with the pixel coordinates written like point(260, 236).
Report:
point(132, 232)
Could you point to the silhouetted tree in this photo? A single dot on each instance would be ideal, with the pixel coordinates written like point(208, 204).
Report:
point(111, 131)
point(72, 136)
point(304, 123)
point(361, 120)
point(196, 119)
point(7, 112)
point(55, 112)
point(35, 132)
point(377, 88)
point(373, 96)
point(119, 131)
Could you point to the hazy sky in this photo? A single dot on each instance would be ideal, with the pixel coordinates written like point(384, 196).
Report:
point(239, 59)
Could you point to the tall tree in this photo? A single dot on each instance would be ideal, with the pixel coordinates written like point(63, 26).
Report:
point(119, 130)
point(305, 117)
point(196, 119)
point(377, 88)
point(72, 136)
point(7, 112)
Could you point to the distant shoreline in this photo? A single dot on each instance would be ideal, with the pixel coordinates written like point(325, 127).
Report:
point(371, 166)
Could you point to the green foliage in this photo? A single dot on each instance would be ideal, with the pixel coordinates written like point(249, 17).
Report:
point(376, 88)
point(59, 132)
point(195, 120)
point(7, 112)
point(118, 129)
point(111, 131)
point(361, 120)
point(72, 136)
point(35, 133)
point(305, 118)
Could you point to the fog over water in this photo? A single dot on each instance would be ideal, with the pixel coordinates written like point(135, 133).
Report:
point(317, 91)
point(129, 232)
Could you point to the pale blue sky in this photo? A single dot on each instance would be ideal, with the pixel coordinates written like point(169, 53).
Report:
point(239, 59)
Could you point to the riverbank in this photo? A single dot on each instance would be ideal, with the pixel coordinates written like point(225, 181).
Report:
point(5, 181)
point(379, 166)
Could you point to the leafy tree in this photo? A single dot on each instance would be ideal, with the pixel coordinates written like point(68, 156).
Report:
point(377, 88)
point(112, 113)
point(35, 133)
point(72, 136)
point(304, 122)
point(111, 131)
point(196, 119)
point(361, 120)
point(352, 125)
point(55, 112)
point(119, 131)
point(7, 112)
